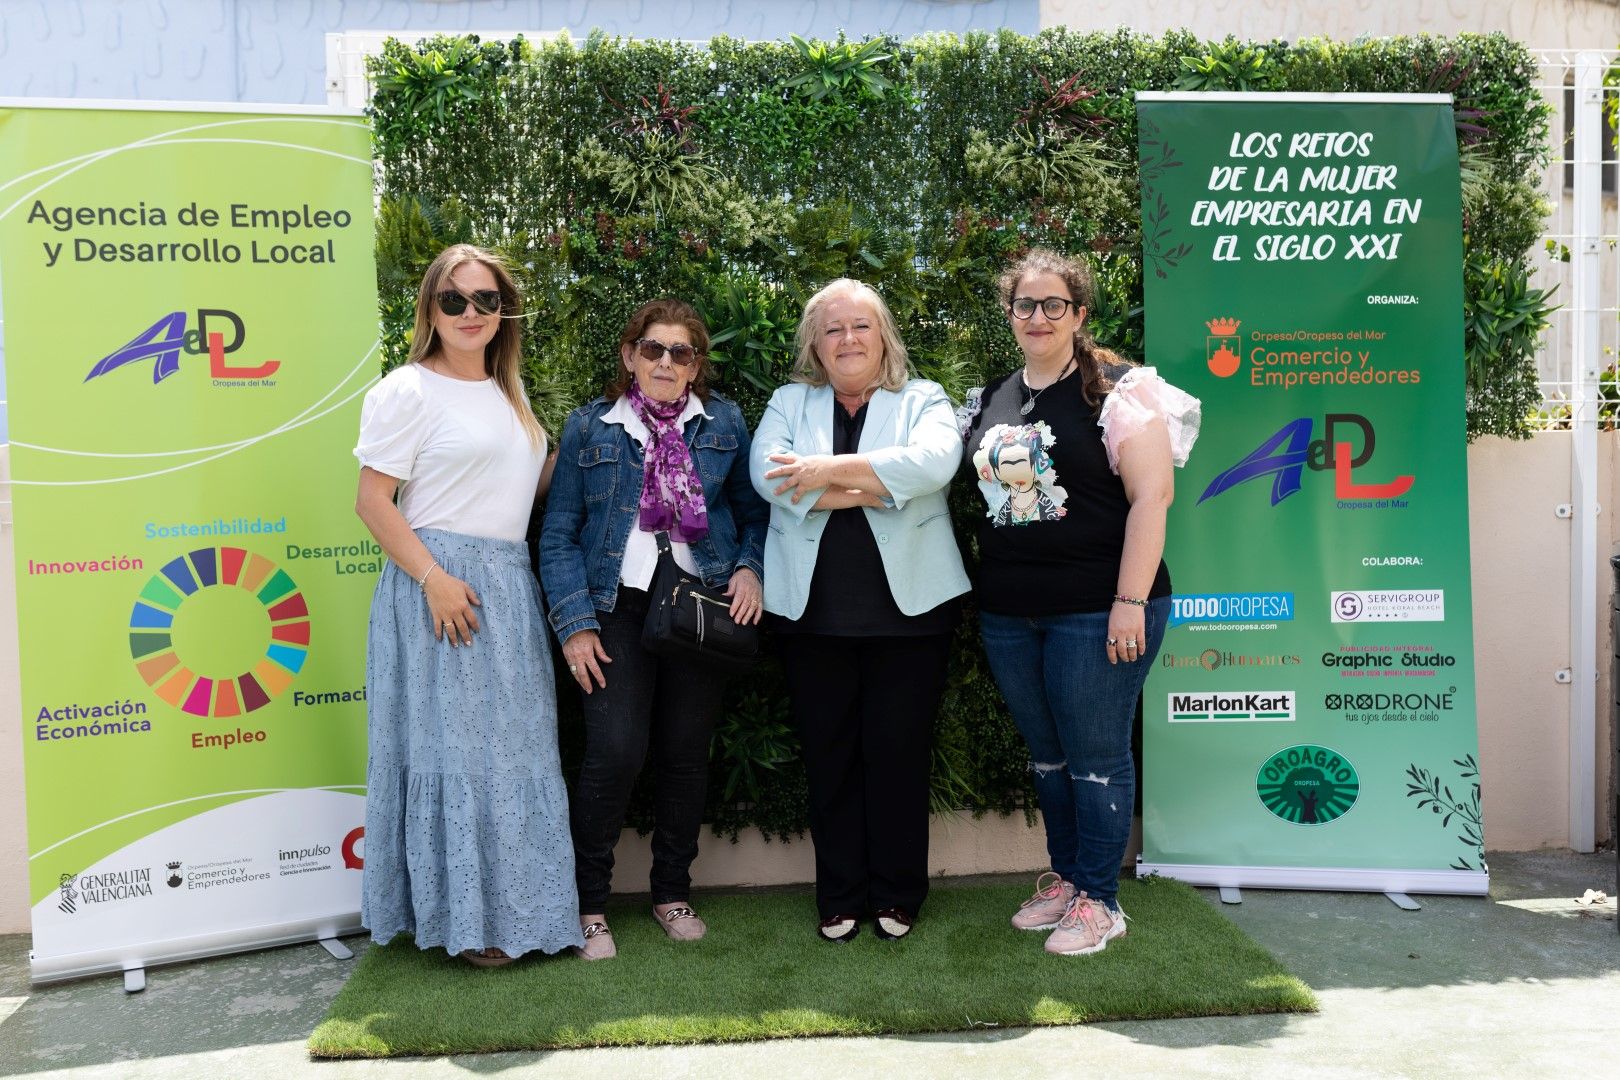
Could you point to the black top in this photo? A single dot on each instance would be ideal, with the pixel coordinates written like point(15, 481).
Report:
point(1055, 531)
point(849, 591)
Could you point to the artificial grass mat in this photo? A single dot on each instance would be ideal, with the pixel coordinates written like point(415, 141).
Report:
point(761, 973)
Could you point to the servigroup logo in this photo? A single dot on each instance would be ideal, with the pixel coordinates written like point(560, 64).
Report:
point(166, 339)
point(1221, 347)
point(1287, 454)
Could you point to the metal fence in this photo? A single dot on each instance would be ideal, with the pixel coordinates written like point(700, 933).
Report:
point(1579, 254)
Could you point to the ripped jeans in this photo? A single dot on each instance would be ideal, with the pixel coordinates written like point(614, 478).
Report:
point(1074, 709)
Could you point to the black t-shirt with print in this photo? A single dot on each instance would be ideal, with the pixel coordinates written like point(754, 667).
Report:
point(1055, 531)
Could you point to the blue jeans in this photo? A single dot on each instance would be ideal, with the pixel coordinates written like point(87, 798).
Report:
point(1074, 709)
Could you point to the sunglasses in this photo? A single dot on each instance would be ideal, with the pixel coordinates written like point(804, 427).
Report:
point(652, 349)
point(487, 301)
point(1052, 307)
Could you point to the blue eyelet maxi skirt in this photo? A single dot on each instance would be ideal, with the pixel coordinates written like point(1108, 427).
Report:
point(467, 841)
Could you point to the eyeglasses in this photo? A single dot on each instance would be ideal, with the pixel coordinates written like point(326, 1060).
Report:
point(1053, 307)
point(487, 301)
point(652, 349)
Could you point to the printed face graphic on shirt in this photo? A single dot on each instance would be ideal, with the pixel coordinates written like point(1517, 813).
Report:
point(1016, 476)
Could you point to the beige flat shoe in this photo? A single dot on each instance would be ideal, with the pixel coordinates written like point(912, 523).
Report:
point(681, 923)
point(598, 943)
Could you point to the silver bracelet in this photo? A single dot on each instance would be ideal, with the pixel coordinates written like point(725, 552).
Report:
point(422, 581)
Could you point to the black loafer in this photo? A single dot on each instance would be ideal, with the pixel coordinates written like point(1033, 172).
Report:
point(891, 924)
point(839, 928)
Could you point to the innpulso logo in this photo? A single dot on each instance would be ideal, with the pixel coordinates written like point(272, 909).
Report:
point(1286, 455)
point(166, 339)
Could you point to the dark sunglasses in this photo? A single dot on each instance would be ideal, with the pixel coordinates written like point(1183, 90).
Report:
point(1053, 307)
point(487, 301)
point(652, 349)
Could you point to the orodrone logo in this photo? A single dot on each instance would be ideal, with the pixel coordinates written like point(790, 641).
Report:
point(1286, 455)
point(1308, 784)
point(166, 339)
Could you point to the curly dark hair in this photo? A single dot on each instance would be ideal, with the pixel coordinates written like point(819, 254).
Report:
point(665, 309)
point(1092, 360)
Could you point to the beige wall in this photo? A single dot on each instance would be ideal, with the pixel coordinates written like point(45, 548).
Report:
point(1539, 24)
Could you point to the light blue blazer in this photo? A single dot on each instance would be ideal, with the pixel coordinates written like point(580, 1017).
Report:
point(910, 440)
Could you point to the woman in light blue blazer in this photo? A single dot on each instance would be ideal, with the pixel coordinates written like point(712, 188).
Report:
point(862, 573)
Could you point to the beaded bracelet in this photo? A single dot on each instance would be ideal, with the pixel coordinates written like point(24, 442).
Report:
point(1118, 599)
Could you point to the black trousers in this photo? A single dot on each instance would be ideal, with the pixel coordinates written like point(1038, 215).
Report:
point(668, 704)
point(864, 708)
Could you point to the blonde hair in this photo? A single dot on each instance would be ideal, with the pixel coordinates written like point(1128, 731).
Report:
point(807, 368)
point(503, 356)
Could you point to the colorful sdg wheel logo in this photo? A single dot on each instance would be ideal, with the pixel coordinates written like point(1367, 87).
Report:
point(219, 632)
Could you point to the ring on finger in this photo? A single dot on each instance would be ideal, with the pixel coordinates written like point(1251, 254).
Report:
point(1112, 642)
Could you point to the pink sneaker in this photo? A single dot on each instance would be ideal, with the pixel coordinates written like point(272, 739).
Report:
point(1043, 910)
point(1086, 928)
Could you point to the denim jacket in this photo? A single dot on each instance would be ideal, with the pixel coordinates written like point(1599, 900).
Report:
point(594, 499)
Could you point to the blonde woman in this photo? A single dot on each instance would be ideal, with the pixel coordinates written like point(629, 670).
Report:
point(467, 844)
point(862, 572)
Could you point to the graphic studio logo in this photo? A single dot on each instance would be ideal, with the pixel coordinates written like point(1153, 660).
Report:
point(174, 879)
point(228, 613)
point(1388, 605)
point(1286, 455)
point(1221, 347)
point(351, 859)
point(166, 339)
point(69, 896)
point(1232, 707)
point(1308, 785)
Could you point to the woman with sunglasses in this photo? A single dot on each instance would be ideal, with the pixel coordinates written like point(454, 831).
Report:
point(657, 453)
point(467, 842)
point(863, 571)
point(1073, 453)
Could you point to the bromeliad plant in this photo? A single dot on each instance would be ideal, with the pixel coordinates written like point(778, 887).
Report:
point(832, 68)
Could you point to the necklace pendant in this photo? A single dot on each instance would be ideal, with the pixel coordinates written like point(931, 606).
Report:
point(1027, 407)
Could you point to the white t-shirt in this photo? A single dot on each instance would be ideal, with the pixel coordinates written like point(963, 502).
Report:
point(641, 548)
point(459, 451)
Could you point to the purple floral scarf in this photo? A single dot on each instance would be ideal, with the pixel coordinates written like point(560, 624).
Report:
point(671, 493)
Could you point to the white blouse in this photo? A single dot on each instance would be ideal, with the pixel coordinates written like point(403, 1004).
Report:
point(458, 449)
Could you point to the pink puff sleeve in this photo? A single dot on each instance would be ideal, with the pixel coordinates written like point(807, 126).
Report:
point(1139, 397)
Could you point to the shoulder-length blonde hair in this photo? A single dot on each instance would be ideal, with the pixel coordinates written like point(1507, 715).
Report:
point(807, 368)
point(503, 356)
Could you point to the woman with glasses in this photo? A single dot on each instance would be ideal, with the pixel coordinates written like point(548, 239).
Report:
point(467, 843)
point(657, 453)
point(1073, 453)
point(863, 571)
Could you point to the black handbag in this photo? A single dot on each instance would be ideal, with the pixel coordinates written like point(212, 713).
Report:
point(686, 618)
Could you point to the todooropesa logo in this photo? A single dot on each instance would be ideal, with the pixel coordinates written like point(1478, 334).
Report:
point(1286, 455)
point(165, 340)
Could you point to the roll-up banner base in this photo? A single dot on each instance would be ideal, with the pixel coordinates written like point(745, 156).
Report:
point(1325, 878)
point(58, 968)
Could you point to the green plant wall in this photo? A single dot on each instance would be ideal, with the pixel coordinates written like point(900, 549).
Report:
point(743, 176)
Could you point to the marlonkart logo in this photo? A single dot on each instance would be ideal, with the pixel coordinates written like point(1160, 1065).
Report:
point(1232, 707)
point(1232, 608)
point(1388, 605)
point(1307, 784)
point(1286, 455)
point(166, 339)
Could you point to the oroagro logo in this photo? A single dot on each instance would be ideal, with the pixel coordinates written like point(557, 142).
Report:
point(219, 632)
point(1287, 454)
point(166, 339)
point(1308, 784)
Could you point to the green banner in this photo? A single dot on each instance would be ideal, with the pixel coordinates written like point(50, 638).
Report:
point(190, 321)
point(1310, 720)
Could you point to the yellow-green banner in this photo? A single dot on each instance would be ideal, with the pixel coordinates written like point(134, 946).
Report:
point(190, 322)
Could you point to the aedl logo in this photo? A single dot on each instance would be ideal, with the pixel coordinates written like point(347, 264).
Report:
point(166, 339)
point(1286, 455)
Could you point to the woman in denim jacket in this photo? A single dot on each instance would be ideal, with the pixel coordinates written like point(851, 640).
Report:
point(657, 453)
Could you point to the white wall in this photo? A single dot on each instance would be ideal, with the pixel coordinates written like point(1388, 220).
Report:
point(1539, 24)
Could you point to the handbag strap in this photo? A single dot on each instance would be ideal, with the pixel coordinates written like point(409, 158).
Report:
point(663, 543)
